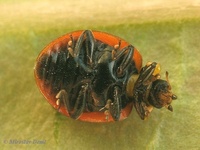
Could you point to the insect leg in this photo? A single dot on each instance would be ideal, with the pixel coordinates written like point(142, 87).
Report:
point(115, 105)
point(124, 57)
point(84, 57)
point(80, 102)
point(146, 74)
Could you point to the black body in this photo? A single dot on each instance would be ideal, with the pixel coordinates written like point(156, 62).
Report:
point(89, 77)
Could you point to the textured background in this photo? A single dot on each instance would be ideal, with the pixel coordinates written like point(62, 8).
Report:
point(164, 31)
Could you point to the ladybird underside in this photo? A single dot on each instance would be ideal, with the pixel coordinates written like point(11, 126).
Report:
point(86, 75)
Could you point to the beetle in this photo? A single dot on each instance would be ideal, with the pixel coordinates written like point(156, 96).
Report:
point(98, 77)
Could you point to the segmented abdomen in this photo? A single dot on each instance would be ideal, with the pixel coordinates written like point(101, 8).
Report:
point(56, 69)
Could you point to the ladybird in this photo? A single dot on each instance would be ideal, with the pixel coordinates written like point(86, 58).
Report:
point(98, 77)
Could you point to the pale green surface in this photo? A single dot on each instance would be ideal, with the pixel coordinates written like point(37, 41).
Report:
point(170, 36)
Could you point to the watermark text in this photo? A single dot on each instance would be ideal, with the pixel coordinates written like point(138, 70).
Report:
point(24, 142)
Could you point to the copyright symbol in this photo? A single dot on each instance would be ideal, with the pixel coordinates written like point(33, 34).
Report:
point(5, 142)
